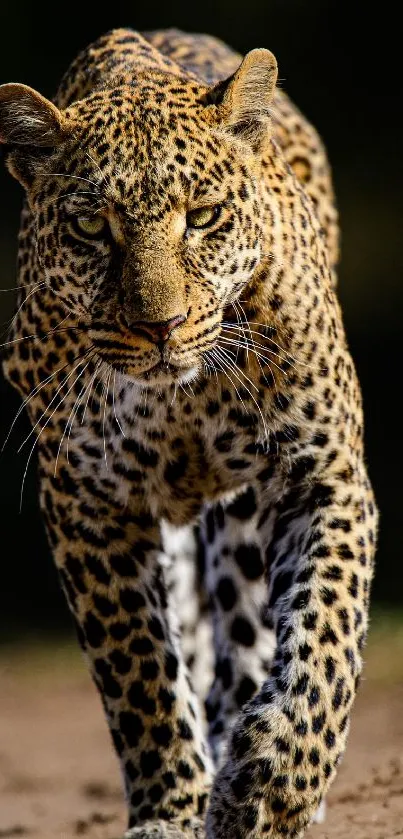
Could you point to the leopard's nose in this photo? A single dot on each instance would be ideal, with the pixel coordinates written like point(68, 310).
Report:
point(157, 331)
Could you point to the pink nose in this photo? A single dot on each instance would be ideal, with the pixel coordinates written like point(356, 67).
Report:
point(158, 331)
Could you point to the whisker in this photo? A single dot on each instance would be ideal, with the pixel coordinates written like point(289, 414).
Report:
point(258, 354)
point(228, 357)
point(268, 361)
point(68, 419)
point(114, 405)
point(35, 289)
point(106, 393)
point(239, 320)
point(36, 337)
point(65, 175)
point(76, 408)
point(61, 386)
point(30, 396)
point(267, 337)
point(99, 365)
point(79, 192)
point(39, 436)
point(223, 370)
point(222, 351)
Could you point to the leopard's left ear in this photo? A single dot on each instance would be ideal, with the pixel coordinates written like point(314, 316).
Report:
point(244, 100)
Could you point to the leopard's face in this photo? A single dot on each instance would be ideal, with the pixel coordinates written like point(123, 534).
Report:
point(147, 214)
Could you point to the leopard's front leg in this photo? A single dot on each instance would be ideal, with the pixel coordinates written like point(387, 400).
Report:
point(108, 558)
point(288, 741)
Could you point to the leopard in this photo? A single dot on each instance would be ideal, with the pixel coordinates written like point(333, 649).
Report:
point(197, 419)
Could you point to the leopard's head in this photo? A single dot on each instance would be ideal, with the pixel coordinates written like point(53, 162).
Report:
point(147, 208)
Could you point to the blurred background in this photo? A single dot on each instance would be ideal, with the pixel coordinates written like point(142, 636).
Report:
point(336, 61)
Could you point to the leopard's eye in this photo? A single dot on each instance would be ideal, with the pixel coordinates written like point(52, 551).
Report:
point(93, 227)
point(202, 217)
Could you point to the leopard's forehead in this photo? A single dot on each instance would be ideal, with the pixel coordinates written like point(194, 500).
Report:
point(154, 140)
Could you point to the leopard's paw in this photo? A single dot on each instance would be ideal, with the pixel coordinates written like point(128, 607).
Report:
point(320, 815)
point(167, 830)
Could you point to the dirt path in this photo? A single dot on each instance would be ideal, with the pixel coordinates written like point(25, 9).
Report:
point(59, 778)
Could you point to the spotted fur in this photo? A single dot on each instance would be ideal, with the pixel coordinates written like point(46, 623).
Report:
point(176, 374)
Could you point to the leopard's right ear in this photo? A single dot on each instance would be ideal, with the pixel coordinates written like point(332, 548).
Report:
point(28, 119)
point(30, 127)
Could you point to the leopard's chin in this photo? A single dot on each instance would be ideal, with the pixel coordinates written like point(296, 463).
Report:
point(164, 374)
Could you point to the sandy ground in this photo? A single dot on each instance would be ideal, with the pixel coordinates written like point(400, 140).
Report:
point(59, 777)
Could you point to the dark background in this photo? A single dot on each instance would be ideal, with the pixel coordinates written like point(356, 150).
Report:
point(339, 63)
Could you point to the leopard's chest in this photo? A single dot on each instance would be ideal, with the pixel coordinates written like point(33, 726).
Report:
point(178, 459)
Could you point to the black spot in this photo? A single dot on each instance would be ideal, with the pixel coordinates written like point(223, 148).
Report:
point(94, 631)
point(119, 631)
point(249, 559)
point(301, 600)
point(104, 606)
point(184, 730)
point(301, 685)
point(304, 651)
point(171, 666)
point(224, 671)
point(244, 506)
point(330, 738)
point(184, 770)
point(299, 755)
point(149, 670)
point(137, 798)
point(131, 727)
point(320, 439)
point(330, 669)
point(302, 468)
point(328, 636)
point(301, 728)
point(156, 628)
point(338, 694)
point(146, 457)
point(300, 783)
point(345, 552)
point(169, 780)
point(104, 675)
point(155, 793)
point(131, 600)
point(138, 698)
point(243, 632)
point(212, 408)
point(176, 469)
point(318, 723)
point(278, 805)
point(223, 442)
point(226, 593)
point(282, 745)
point(242, 784)
point(150, 762)
point(281, 585)
point(121, 662)
point(314, 757)
point(246, 689)
point(314, 696)
point(167, 699)
point(162, 734)
point(241, 743)
point(123, 565)
point(142, 646)
point(321, 496)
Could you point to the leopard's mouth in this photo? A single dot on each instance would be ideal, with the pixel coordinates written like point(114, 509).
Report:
point(164, 372)
point(162, 366)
